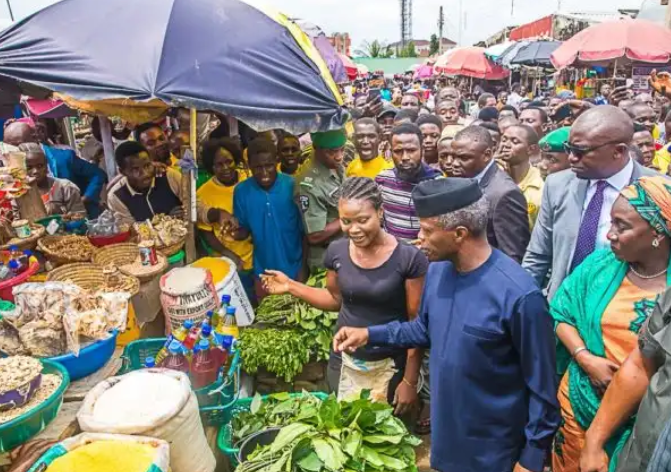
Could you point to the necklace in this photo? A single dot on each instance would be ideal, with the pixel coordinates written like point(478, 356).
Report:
point(646, 277)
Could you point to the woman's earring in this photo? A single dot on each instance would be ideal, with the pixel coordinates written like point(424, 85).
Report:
point(655, 243)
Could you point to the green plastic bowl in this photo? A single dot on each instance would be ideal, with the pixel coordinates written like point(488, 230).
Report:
point(21, 429)
point(225, 435)
point(177, 258)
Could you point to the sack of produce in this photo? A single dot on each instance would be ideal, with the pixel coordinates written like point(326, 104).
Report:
point(151, 402)
point(187, 293)
point(106, 453)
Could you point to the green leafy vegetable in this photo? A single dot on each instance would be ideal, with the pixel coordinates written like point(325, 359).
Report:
point(356, 436)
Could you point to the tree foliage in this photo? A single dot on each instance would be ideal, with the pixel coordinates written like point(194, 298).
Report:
point(407, 51)
point(434, 45)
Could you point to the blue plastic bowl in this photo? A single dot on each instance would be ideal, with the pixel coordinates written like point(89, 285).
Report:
point(90, 359)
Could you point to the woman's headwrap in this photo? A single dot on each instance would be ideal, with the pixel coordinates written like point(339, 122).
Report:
point(651, 198)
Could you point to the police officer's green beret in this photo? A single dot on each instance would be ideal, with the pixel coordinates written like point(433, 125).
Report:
point(329, 139)
point(554, 142)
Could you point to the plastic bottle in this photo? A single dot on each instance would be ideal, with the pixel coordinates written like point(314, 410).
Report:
point(14, 252)
point(228, 326)
point(176, 360)
point(224, 347)
point(219, 314)
point(191, 338)
point(204, 369)
point(149, 362)
point(5, 273)
point(14, 267)
point(179, 334)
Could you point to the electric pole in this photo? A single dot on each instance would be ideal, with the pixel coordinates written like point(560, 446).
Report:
point(441, 25)
point(11, 14)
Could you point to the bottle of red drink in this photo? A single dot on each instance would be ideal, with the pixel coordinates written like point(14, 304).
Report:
point(192, 338)
point(205, 366)
point(176, 360)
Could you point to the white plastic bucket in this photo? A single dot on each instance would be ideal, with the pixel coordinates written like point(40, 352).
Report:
point(231, 285)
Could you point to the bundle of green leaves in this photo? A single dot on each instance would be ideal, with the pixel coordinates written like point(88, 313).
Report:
point(359, 436)
point(277, 409)
point(288, 333)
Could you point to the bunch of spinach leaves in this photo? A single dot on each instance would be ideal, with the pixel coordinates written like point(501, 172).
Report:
point(288, 334)
point(278, 409)
point(356, 436)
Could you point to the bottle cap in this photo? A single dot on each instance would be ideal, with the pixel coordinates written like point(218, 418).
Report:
point(13, 248)
point(13, 264)
point(230, 310)
point(203, 344)
point(227, 342)
point(150, 362)
point(188, 324)
point(175, 347)
point(210, 314)
point(206, 331)
point(226, 299)
point(28, 252)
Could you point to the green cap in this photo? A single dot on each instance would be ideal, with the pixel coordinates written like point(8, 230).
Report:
point(329, 140)
point(554, 142)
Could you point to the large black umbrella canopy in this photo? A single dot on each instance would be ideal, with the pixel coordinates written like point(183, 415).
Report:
point(222, 55)
point(536, 53)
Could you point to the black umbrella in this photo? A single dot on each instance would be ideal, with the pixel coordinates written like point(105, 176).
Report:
point(536, 53)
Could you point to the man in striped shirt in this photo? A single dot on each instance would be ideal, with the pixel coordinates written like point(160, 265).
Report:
point(400, 217)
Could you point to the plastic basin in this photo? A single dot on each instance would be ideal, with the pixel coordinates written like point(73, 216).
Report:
point(6, 286)
point(21, 429)
point(262, 438)
point(100, 241)
point(91, 358)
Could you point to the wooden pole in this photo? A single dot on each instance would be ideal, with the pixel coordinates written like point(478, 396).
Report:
point(667, 16)
point(108, 146)
point(69, 133)
point(189, 184)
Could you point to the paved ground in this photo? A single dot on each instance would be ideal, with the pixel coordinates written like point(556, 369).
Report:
point(423, 455)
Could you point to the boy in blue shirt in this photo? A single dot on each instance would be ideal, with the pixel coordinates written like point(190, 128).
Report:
point(264, 207)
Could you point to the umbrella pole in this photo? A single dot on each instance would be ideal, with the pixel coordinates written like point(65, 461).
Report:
point(108, 146)
point(189, 191)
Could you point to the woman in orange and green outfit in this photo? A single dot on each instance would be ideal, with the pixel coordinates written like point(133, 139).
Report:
point(601, 307)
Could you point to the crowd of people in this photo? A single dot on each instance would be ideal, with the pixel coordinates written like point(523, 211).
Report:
point(503, 264)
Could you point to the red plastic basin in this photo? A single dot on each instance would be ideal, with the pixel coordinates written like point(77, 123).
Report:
point(6, 286)
point(100, 241)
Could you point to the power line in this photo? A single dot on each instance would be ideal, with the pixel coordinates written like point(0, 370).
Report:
point(11, 14)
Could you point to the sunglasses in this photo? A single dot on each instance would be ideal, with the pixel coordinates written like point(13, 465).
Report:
point(581, 151)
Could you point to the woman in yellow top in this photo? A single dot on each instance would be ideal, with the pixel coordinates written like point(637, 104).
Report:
point(223, 159)
point(600, 308)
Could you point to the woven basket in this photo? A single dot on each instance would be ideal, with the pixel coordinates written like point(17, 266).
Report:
point(172, 249)
point(90, 277)
point(122, 254)
point(30, 243)
point(44, 246)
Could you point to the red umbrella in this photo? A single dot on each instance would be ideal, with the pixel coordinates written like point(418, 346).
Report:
point(350, 66)
point(632, 40)
point(471, 62)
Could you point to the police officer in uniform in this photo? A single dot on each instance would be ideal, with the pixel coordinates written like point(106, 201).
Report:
point(318, 190)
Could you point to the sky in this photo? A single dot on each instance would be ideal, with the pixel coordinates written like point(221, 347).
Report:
point(367, 20)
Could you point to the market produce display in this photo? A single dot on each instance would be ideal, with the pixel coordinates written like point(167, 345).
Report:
point(53, 318)
point(164, 230)
point(68, 248)
point(287, 334)
point(358, 435)
point(21, 376)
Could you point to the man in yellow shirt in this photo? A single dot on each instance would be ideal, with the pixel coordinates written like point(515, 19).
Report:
point(519, 145)
point(223, 158)
point(663, 156)
point(368, 163)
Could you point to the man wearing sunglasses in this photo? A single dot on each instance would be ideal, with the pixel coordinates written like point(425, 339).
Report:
point(575, 211)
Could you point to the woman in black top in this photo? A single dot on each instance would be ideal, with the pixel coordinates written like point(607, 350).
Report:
point(372, 279)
